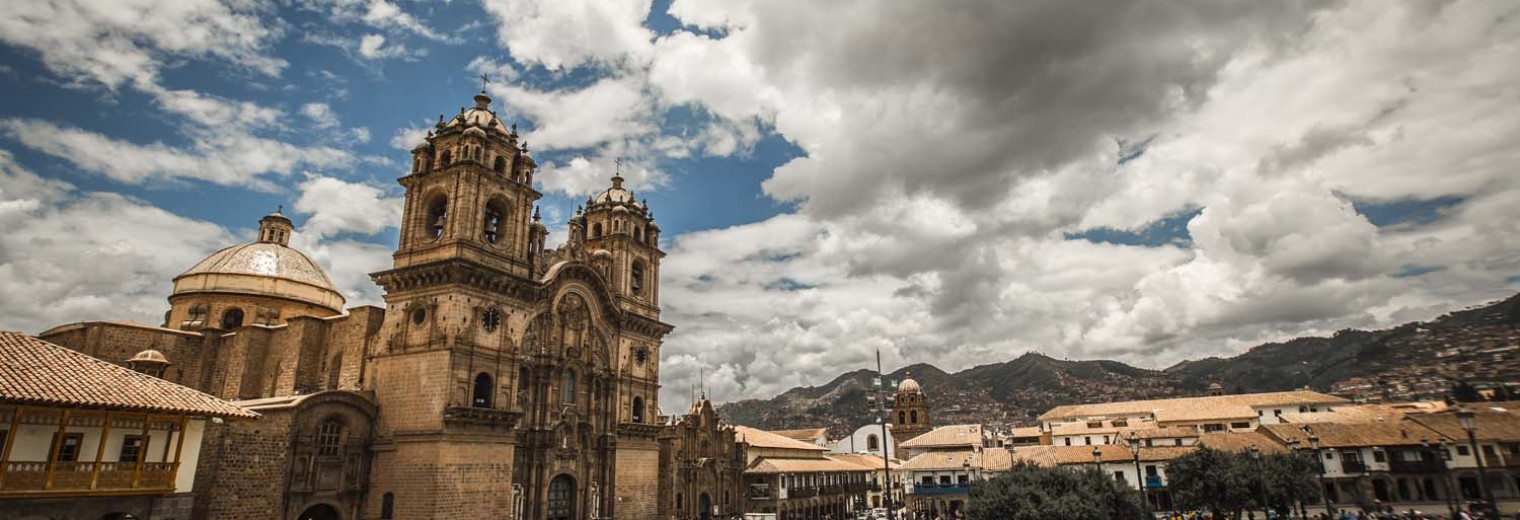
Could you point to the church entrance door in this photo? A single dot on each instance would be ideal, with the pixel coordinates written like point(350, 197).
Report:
point(319, 512)
point(562, 498)
point(706, 503)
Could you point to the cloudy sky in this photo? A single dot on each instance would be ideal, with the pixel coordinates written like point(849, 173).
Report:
point(951, 182)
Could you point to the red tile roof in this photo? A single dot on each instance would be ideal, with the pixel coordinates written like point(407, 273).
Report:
point(35, 372)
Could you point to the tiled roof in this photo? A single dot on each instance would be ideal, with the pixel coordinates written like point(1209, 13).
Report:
point(35, 372)
point(864, 460)
point(805, 434)
point(1169, 432)
point(765, 465)
point(1026, 431)
point(1491, 424)
point(1216, 412)
point(1367, 413)
point(1333, 435)
point(1241, 442)
point(1065, 455)
point(764, 439)
point(947, 436)
point(1122, 408)
point(995, 459)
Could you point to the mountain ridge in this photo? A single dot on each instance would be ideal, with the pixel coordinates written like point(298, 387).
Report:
point(1412, 357)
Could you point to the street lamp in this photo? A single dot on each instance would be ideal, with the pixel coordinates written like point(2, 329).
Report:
point(1098, 457)
point(1261, 476)
point(1439, 458)
point(1319, 460)
point(1294, 447)
point(1469, 422)
point(1134, 447)
point(878, 397)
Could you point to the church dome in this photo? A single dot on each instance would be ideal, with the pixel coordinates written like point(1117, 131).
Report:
point(908, 385)
point(149, 356)
point(268, 267)
point(615, 194)
point(480, 116)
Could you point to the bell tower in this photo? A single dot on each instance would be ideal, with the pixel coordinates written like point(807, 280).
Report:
point(470, 194)
point(444, 366)
point(624, 242)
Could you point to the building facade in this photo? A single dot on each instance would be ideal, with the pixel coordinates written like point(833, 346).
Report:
point(704, 466)
point(502, 379)
point(910, 411)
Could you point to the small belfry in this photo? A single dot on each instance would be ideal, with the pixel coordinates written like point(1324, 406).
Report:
point(623, 238)
point(910, 411)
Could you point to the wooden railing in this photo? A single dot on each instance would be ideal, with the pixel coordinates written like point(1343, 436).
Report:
point(67, 478)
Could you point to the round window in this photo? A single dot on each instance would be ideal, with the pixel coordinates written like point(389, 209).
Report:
point(641, 355)
point(419, 315)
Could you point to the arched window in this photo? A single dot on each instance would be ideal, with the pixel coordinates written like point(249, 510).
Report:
point(902, 418)
point(388, 506)
point(913, 417)
point(478, 153)
point(636, 281)
point(437, 216)
point(567, 390)
point(596, 230)
point(638, 409)
point(638, 233)
point(501, 165)
point(481, 398)
point(232, 319)
point(872, 444)
point(494, 223)
point(446, 158)
point(522, 388)
point(329, 438)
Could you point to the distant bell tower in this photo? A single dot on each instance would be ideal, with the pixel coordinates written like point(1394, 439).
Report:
point(910, 411)
point(623, 240)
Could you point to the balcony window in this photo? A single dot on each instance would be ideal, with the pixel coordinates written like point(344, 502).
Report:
point(132, 448)
point(1463, 451)
point(329, 438)
point(66, 447)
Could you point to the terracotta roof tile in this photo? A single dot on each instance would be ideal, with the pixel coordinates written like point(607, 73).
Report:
point(1241, 442)
point(764, 439)
point(804, 434)
point(1065, 455)
point(947, 436)
point(1491, 424)
point(35, 372)
point(765, 465)
point(1294, 398)
point(1334, 435)
point(994, 459)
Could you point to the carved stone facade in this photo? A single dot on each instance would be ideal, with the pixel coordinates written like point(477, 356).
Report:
point(502, 380)
point(704, 466)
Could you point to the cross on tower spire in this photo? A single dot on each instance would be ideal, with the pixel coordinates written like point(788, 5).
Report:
point(484, 79)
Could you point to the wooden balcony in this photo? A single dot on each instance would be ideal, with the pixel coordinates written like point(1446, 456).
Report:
point(36, 478)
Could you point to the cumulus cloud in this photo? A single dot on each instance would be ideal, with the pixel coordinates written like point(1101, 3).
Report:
point(116, 42)
point(78, 255)
point(338, 206)
point(232, 159)
point(941, 178)
point(566, 34)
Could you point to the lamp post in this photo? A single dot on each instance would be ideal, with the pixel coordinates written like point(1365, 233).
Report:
point(1469, 422)
point(1261, 477)
point(1439, 457)
point(1098, 458)
point(1293, 447)
point(1319, 460)
point(878, 396)
point(1145, 503)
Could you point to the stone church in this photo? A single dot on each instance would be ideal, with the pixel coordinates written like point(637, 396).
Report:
point(501, 379)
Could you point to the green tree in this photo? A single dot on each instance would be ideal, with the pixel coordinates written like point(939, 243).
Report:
point(1030, 492)
point(1465, 392)
point(1220, 481)
point(1211, 480)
